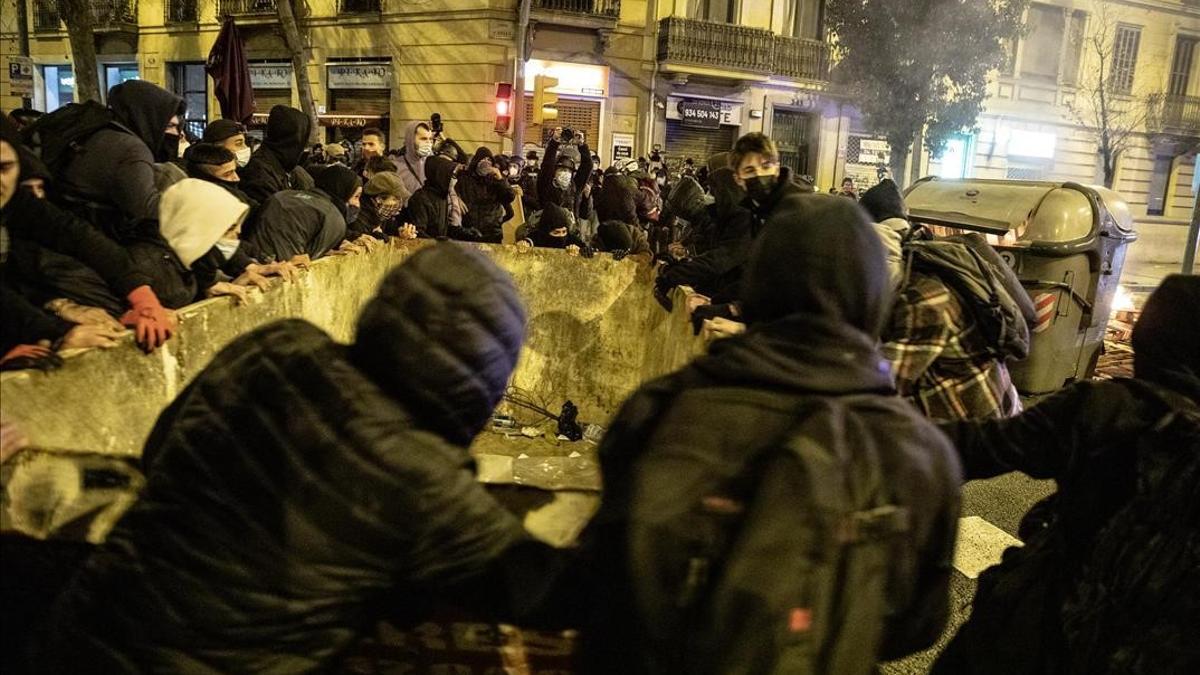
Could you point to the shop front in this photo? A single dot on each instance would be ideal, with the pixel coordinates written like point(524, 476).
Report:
point(360, 96)
point(699, 128)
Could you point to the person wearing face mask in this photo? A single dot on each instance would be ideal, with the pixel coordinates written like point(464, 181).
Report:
point(231, 136)
point(418, 147)
point(382, 206)
point(562, 178)
point(553, 231)
point(277, 164)
point(755, 164)
point(111, 179)
point(487, 195)
point(53, 255)
point(616, 209)
point(309, 222)
point(429, 207)
point(217, 165)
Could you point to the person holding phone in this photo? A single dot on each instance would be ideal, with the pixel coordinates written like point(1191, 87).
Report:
point(566, 169)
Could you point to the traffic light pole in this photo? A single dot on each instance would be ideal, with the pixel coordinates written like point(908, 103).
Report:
point(518, 99)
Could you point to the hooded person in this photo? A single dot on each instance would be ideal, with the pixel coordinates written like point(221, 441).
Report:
point(111, 180)
point(553, 229)
point(429, 207)
point(487, 195)
point(815, 298)
point(562, 176)
point(941, 360)
point(1107, 579)
point(418, 147)
point(231, 136)
point(193, 217)
point(276, 165)
point(307, 222)
point(617, 210)
point(55, 255)
point(270, 526)
point(383, 203)
point(717, 273)
point(688, 203)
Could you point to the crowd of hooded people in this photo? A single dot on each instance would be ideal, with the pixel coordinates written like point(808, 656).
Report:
point(251, 550)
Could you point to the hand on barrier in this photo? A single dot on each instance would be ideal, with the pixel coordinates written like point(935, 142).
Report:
point(573, 251)
point(83, 314)
point(284, 270)
point(39, 357)
point(301, 260)
point(409, 231)
point(152, 325)
point(240, 294)
point(721, 327)
point(252, 278)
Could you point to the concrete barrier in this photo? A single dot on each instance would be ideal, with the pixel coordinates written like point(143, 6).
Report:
point(595, 333)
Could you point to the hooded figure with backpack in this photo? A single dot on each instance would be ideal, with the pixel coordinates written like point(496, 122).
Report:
point(307, 222)
point(773, 506)
point(104, 159)
point(960, 315)
point(1108, 581)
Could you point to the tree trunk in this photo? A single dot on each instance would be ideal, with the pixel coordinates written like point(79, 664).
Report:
point(77, 14)
point(917, 148)
point(898, 159)
point(295, 45)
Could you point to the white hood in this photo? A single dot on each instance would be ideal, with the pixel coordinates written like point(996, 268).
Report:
point(193, 214)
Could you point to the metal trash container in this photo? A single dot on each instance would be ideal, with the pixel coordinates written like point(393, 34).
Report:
point(1067, 244)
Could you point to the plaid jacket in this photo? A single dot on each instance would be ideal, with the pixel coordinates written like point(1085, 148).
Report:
point(938, 357)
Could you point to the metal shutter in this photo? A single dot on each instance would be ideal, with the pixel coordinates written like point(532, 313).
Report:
point(699, 144)
point(360, 101)
point(265, 99)
point(577, 114)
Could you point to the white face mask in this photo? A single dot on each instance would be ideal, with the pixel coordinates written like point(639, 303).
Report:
point(562, 179)
point(243, 156)
point(424, 148)
point(228, 247)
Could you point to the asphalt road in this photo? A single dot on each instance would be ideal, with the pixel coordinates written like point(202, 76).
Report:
point(1001, 502)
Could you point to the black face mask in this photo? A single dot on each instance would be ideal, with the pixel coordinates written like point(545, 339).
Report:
point(760, 187)
point(170, 148)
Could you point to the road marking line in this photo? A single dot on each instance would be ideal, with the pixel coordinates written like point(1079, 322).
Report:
point(980, 545)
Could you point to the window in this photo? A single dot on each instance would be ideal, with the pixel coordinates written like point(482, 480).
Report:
point(1181, 66)
point(1076, 31)
point(1031, 144)
point(802, 19)
point(955, 161)
point(189, 81)
point(59, 86)
point(1042, 47)
point(721, 11)
point(116, 73)
point(1160, 178)
point(1125, 52)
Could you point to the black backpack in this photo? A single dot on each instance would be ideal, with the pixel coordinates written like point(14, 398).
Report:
point(1136, 608)
point(59, 136)
point(987, 286)
point(780, 563)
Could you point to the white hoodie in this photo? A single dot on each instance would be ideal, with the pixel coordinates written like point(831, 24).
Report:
point(193, 214)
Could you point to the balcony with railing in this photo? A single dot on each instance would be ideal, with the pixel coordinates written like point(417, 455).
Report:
point(1174, 114)
point(581, 13)
point(723, 46)
point(800, 59)
point(360, 6)
point(181, 11)
point(107, 15)
point(247, 8)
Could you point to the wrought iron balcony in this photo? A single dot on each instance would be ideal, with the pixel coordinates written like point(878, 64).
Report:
point(715, 45)
point(800, 58)
point(360, 6)
point(181, 11)
point(107, 14)
point(1173, 114)
point(246, 7)
point(600, 8)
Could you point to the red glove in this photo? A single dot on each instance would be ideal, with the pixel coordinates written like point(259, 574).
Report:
point(22, 357)
point(149, 320)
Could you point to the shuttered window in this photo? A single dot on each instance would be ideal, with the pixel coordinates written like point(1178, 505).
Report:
point(578, 114)
point(360, 101)
point(1125, 53)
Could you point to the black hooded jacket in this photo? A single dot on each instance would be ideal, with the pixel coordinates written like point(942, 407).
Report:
point(571, 197)
point(1086, 438)
point(340, 183)
point(275, 166)
point(115, 167)
point(488, 199)
point(717, 272)
point(429, 207)
point(815, 336)
point(298, 488)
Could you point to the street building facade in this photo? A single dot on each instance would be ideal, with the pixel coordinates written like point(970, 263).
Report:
point(683, 77)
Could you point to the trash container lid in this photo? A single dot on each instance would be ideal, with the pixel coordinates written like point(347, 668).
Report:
point(1021, 212)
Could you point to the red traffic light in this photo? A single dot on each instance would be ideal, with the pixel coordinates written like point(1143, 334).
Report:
point(502, 107)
